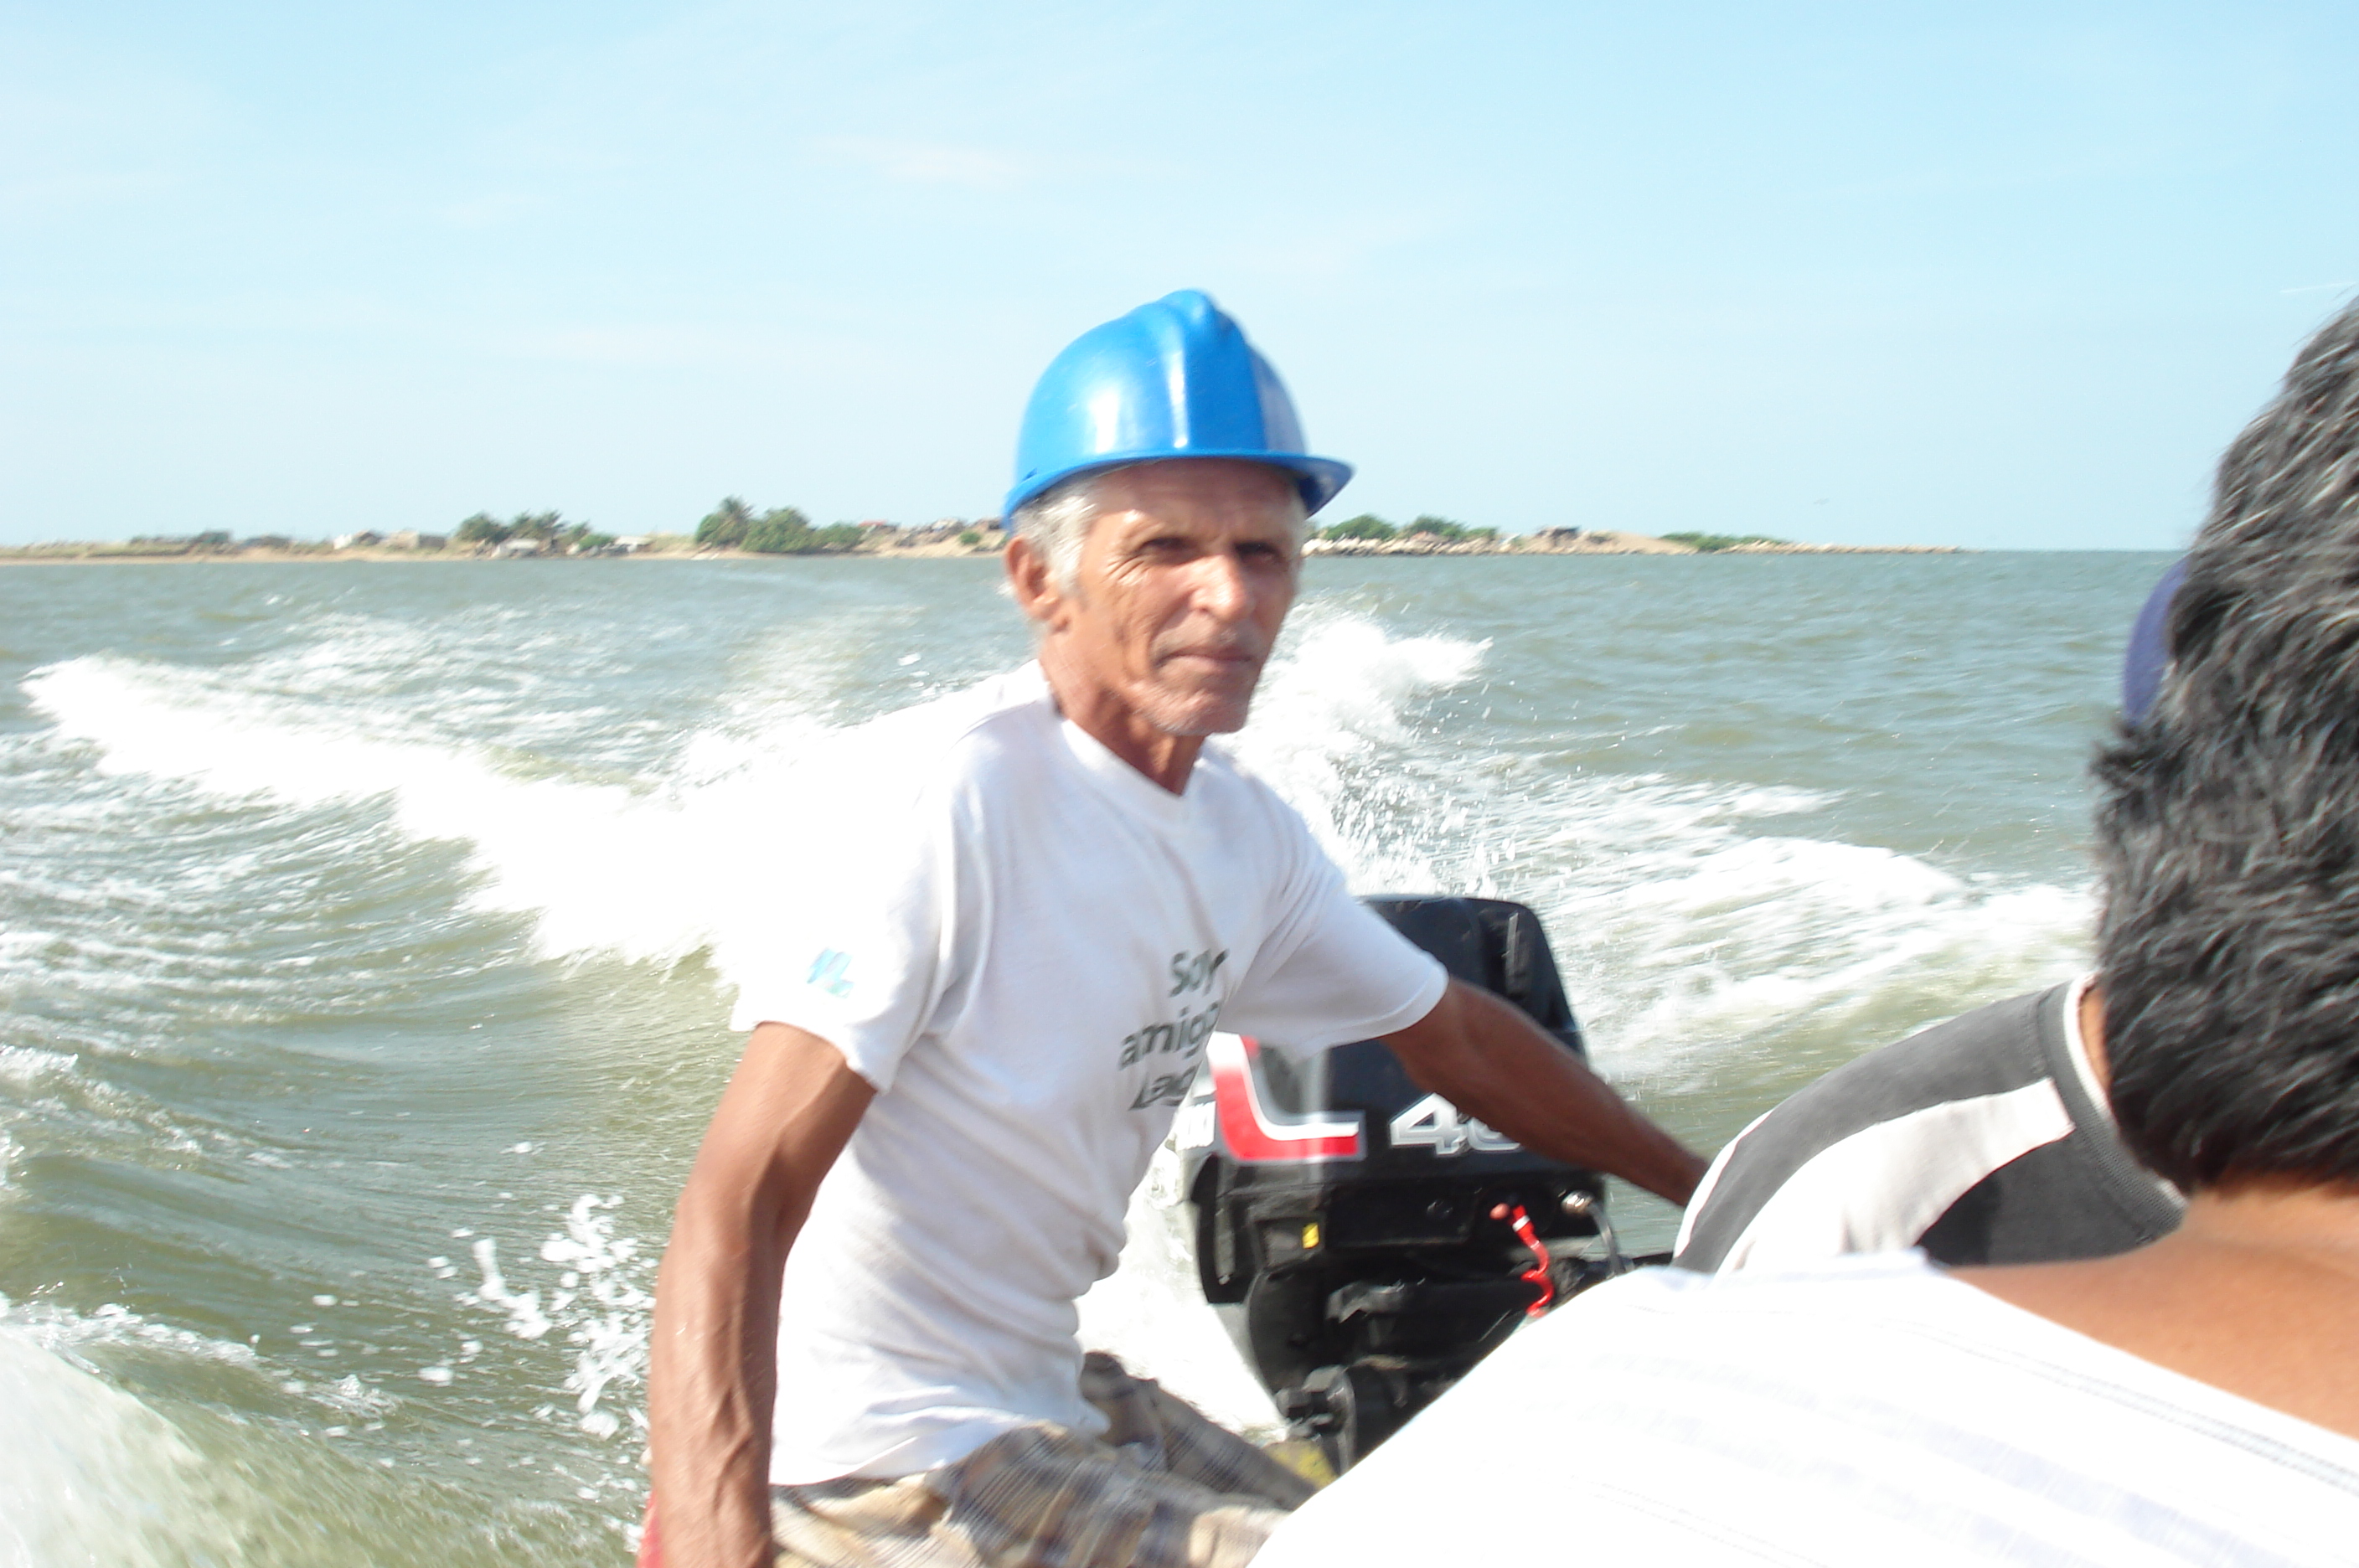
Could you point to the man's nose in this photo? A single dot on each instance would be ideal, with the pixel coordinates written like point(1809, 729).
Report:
point(1222, 587)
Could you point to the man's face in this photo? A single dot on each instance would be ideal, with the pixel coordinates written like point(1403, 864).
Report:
point(1184, 580)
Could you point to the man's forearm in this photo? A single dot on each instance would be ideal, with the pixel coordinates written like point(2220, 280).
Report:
point(710, 1385)
point(1483, 1055)
point(712, 1371)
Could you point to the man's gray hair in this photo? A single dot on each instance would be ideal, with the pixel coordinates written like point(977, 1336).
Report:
point(1056, 522)
point(2228, 821)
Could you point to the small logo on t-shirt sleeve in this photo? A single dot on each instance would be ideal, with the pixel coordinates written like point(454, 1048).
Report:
point(827, 973)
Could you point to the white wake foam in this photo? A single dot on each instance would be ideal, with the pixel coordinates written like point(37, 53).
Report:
point(593, 1294)
point(655, 869)
point(1681, 920)
point(646, 873)
point(1682, 924)
point(104, 1467)
point(1151, 1312)
point(90, 1474)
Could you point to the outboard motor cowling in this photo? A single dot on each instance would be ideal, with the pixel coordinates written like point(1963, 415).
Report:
point(1360, 1236)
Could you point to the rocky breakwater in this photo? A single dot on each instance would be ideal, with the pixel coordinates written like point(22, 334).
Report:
point(1601, 541)
point(1785, 548)
point(1547, 541)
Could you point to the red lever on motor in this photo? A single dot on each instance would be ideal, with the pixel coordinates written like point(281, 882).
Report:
point(1538, 1274)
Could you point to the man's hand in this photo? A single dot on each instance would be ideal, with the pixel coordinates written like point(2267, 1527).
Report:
point(785, 1118)
point(1483, 1055)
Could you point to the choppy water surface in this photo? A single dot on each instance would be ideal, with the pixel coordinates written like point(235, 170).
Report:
point(366, 934)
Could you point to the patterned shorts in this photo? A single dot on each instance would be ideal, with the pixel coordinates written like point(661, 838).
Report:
point(1164, 1489)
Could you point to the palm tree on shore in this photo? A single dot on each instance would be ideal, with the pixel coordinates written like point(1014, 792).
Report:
point(726, 526)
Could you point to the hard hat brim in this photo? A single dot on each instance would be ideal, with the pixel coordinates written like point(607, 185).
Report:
point(1317, 478)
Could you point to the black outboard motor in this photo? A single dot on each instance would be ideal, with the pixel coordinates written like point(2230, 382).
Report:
point(1364, 1243)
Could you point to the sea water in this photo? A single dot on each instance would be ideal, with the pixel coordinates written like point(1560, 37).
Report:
point(367, 933)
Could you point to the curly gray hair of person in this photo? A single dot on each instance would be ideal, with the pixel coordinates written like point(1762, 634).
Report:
point(2228, 825)
point(1057, 521)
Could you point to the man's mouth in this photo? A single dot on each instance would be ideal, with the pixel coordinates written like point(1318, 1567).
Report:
point(1222, 658)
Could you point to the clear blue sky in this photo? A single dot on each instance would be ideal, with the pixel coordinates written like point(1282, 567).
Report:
point(1998, 276)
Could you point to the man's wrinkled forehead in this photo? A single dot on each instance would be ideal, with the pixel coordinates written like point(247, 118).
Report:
point(1197, 485)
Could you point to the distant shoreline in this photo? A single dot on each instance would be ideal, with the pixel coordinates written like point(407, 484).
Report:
point(1602, 541)
point(1549, 541)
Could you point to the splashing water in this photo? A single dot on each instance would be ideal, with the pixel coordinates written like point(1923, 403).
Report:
point(1654, 880)
point(365, 920)
point(1656, 877)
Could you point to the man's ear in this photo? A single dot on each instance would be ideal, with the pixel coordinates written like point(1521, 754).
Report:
point(2092, 1020)
point(1030, 584)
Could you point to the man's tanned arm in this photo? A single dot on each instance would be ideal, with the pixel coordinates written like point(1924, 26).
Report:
point(1483, 1055)
point(787, 1113)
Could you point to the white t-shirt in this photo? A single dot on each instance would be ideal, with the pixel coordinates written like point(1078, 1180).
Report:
point(1868, 1412)
point(1025, 965)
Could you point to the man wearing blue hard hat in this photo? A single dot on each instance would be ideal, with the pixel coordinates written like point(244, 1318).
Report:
point(965, 1058)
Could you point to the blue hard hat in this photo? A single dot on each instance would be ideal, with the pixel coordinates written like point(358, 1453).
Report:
point(1175, 379)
